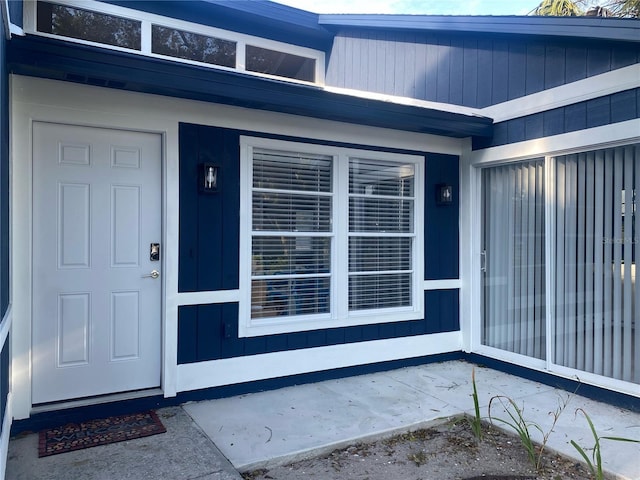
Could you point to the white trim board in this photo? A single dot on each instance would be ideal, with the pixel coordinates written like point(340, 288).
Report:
point(450, 284)
point(5, 327)
point(202, 298)
point(195, 376)
point(6, 433)
point(593, 87)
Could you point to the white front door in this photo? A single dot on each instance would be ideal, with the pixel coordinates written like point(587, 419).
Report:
point(96, 304)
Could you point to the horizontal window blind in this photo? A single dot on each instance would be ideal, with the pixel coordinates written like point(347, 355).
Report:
point(291, 233)
point(381, 234)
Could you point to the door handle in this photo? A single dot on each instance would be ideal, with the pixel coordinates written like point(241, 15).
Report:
point(153, 274)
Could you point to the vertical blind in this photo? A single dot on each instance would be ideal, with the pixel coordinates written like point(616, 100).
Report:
point(381, 234)
point(597, 311)
point(514, 258)
point(291, 233)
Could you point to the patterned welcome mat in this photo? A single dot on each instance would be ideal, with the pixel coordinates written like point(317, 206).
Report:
point(76, 436)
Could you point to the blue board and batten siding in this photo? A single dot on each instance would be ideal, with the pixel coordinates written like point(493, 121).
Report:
point(596, 112)
point(15, 11)
point(209, 256)
point(474, 70)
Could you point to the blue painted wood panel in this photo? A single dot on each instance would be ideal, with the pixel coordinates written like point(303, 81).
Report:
point(441, 222)
point(202, 334)
point(442, 310)
point(15, 11)
point(600, 111)
point(211, 221)
point(475, 70)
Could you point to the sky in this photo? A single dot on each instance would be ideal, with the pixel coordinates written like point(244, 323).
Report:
point(424, 7)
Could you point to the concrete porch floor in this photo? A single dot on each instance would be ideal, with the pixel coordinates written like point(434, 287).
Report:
point(212, 439)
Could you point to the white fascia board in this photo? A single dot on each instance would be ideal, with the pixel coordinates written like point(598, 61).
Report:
point(597, 137)
point(215, 373)
point(408, 101)
point(593, 87)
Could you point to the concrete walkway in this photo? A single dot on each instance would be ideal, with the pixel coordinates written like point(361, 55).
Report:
point(275, 427)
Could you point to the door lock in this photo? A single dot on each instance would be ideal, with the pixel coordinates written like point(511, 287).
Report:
point(154, 252)
point(153, 274)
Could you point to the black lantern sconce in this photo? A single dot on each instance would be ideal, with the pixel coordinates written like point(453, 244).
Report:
point(444, 194)
point(208, 178)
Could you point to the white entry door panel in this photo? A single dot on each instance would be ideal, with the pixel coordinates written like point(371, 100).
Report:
point(96, 309)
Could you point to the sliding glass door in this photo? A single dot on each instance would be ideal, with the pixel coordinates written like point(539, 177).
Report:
point(514, 258)
point(574, 218)
point(597, 298)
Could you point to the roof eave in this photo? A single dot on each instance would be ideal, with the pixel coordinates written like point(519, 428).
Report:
point(60, 60)
point(617, 29)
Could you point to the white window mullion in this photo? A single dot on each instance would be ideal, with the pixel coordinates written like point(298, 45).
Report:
point(540, 288)
point(531, 235)
point(551, 274)
point(506, 337)
point(341, 241)
point(145, 37)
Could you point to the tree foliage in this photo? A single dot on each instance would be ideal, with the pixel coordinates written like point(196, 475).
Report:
point(623, 8)
point(600, 8)
point(558, 8)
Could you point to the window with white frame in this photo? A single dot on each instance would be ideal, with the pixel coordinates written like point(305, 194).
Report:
point(112, 26)
point(330, 237)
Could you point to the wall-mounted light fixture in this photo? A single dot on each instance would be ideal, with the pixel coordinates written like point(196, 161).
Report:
point(208, 178)
point(444, 194)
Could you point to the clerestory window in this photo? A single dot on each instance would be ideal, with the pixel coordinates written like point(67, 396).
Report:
point(115, 27)
point(332, 237)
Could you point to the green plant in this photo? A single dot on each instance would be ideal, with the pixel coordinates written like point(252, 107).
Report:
point(518, 423)
point(595, 462)
point(476, 421)
point(522, 427)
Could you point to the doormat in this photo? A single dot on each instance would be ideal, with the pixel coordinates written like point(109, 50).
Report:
point(76, 436)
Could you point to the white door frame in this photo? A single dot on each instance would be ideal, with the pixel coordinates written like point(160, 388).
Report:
point(66, 107)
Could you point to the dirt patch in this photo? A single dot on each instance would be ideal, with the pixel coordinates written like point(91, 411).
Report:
point(447, 451)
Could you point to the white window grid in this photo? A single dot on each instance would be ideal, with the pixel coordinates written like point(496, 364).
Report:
point(339, 314)
point(149, 19)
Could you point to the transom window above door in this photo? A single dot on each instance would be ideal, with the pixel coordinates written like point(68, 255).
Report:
point(332, 237)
